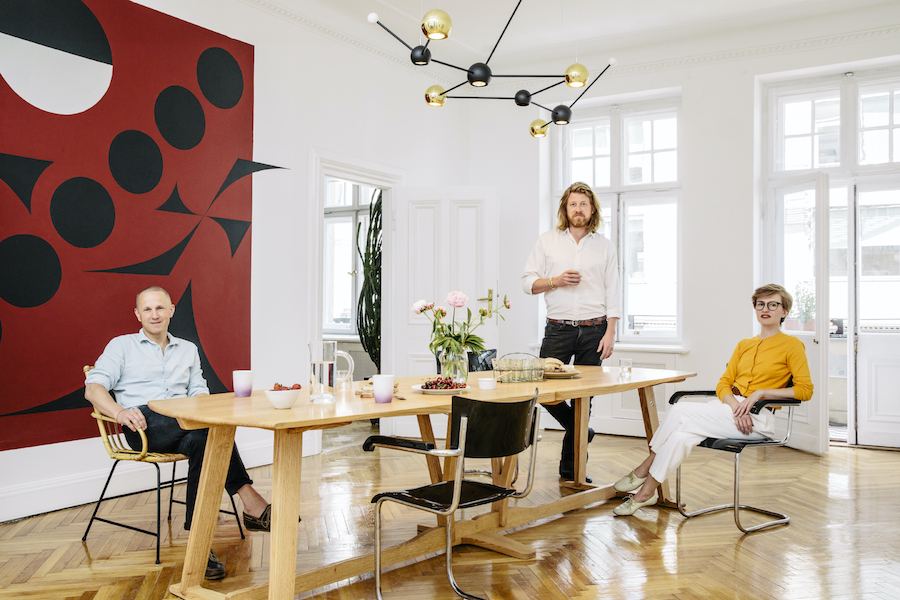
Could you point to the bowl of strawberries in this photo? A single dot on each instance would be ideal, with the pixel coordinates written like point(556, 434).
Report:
point(282, 396)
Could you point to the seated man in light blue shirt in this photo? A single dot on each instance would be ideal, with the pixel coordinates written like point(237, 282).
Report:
point(153, 364)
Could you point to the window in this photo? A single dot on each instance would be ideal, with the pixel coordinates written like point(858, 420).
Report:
point(346, 212)
point(809, 131)
point(629, 156)
point(879, 124)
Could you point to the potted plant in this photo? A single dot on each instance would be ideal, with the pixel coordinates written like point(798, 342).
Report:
point(804, 309)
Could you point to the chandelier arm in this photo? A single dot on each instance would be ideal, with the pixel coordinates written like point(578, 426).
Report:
point(482, 97)
point(440, 62)
point(395, 35)
point(504, 31)
point(547, 88)
point(542, 106)
point(589, 87)
point(456, 86)
point(529, 76)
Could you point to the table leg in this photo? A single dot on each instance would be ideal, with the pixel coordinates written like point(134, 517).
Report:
point(651, 424)
point(582, 407)
point(206, 509)
point(285, 511)
point(427, 433)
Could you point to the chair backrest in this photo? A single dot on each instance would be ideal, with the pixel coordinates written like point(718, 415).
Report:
point(495, 429)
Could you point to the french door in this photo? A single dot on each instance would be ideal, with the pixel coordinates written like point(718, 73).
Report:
point(795, 252)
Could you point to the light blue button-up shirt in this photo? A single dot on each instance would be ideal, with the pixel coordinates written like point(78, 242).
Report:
point(137, 370)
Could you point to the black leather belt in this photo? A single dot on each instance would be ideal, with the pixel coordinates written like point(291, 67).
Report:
point(584, 323)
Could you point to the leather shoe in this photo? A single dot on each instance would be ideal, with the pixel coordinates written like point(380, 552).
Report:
point(261, 523)
point(629, 483)
point(629, 507)
point(214, 568)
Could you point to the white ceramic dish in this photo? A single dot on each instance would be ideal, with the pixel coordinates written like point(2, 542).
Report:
point(418, 388)
point(487, 383)
point(282, 398)
point(561, 374)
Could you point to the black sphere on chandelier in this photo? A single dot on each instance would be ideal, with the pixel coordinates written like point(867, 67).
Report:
point(523, 98)
point(420, 55)
point(562, 114)
point(479, 75)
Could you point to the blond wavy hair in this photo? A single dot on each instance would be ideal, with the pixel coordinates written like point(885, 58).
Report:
point(579, 188)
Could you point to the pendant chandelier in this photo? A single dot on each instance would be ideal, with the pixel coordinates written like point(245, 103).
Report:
point(436, 25)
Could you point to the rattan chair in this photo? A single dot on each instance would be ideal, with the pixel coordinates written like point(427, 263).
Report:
point(478, 429)
point(737, 446)
point(119, 450)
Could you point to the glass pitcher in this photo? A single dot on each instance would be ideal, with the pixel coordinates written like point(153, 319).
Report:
point(323, 371)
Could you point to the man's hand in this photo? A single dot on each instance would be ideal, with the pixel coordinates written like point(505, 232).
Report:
point(568, 278)
point(605, 349)
point(132, 418)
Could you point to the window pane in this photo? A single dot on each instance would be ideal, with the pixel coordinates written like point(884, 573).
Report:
point(828, 115)
point(897, 108)
point(896, 145)
point(650, 259)
point(582, 143)
point(799, 257)
point(639, 136)
point(338, 293)
point(639, 169)
point(601, 172)
point(338, 193)
point(797, 117)
point(879, 239)
point(366, 194)
point(873, 147)
point(827, 150)
point(665, 167)
point(582, 170)
point(601, 139)
point(797, 153)
point(665, 134)
point(874, 108)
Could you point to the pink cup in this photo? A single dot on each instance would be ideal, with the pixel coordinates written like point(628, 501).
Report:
point(383, 386)
point(243, 383)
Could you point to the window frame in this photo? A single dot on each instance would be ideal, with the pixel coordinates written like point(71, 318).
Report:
point(619, 194)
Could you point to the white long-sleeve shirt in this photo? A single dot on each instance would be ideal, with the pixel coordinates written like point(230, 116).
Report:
point(597, 294)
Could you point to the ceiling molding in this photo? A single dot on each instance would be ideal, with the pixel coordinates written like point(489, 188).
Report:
point(621, 70)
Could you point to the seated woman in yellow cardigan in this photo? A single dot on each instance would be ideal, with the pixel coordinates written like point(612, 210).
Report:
point(759, 369)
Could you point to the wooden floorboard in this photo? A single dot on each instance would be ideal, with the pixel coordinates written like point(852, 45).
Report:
point(841, 544)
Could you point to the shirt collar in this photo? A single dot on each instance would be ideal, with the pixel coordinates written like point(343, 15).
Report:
point(173, 341)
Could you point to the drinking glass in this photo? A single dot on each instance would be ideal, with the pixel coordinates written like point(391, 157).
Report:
point(537, 369)
point(322, 371)
point(625, 367)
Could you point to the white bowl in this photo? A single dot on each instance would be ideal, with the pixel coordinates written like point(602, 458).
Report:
point(487, 383)
point(282, 398)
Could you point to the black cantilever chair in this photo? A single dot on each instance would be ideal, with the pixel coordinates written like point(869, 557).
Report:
point(737, 446)
point(478, 429)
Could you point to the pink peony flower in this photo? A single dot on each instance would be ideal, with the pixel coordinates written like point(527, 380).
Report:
point(506, 303)
point(440, 310)
point(419, 306)
point(457, 299)
point(429, 306)
point(483, 312)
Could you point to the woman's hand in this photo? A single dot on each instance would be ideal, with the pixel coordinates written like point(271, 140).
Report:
point(741, 412)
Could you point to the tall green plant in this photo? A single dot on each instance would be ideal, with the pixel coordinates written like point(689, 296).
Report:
point(368, 310)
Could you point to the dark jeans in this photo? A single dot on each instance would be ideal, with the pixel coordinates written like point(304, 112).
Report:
point(164, 435)
point(564, 341)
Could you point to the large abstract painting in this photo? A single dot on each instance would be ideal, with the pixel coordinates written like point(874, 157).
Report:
point(125, 153)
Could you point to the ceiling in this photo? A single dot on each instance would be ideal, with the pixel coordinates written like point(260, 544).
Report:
point(555, 30)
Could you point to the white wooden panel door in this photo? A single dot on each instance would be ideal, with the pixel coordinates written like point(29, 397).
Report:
point(801, 243)
point(444, 239)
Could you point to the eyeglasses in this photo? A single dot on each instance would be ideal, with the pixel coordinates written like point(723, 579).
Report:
point(771, 305)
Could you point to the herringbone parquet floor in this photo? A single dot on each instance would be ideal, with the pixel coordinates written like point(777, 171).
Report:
point(842, 543)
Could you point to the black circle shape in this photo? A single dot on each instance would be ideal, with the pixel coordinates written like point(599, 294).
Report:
point(420, 55)
point(179, 117)
point(30, 271)
point(82, 212)
point(220, 78)
point(479, 75)
point(523, 98)
point(562, 114)
point(135, 161)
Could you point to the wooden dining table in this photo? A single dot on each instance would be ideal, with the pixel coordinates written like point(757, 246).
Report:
point(223, 413)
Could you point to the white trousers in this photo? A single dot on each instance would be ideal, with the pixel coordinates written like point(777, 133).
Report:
point(689, 423)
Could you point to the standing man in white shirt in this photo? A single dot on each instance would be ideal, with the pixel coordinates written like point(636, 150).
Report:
point(576, 269)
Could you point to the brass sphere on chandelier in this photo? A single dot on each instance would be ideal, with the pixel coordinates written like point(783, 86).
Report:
point(576, 75)
point(436, 24)
point(538, 128)
point(435, 96)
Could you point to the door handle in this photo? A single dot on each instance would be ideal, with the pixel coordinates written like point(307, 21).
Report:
point(489, 300)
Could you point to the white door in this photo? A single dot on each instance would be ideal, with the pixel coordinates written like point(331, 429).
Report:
point(878, 349)
point(797, 256)
point(444, 239)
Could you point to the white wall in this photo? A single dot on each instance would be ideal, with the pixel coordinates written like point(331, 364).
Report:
point(312, 89)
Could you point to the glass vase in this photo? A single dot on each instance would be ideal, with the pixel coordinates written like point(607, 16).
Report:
point(455, 365)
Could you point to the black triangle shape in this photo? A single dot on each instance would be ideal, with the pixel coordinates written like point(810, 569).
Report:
point(235, 230)
point(241, 169)
point(184, 325)
point(70, 401)
point(161, 265)
point(175, 205)
point(21, 174)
